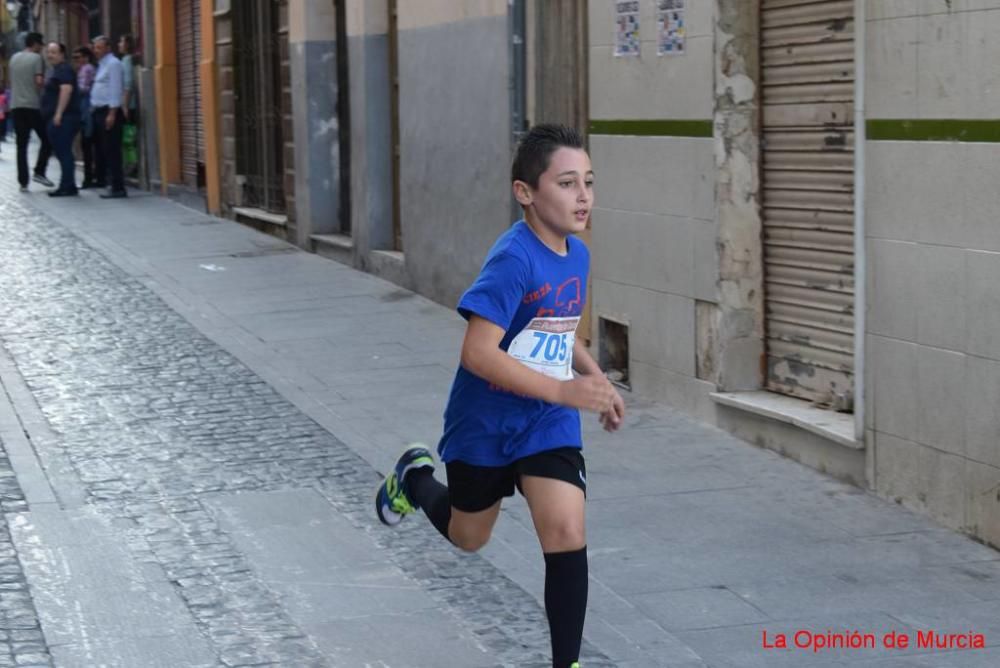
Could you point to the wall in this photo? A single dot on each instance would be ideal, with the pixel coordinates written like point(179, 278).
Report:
point(655, 225)
point(933, 246)
point(370, 142)
point(313, 67)
point(149, 141)
point(455, 140)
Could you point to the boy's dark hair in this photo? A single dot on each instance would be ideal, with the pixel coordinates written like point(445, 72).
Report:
point(537, 147)
point(32, 39)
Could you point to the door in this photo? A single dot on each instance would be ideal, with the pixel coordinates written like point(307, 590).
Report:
point(808, 202)
point(260, 143)
point(192, 137)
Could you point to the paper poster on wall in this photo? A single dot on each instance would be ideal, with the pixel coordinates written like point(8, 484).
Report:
point(627, 28)
point(670, 27)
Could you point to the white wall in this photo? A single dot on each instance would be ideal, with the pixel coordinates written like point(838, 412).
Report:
point(654, 225)
point(934, 264)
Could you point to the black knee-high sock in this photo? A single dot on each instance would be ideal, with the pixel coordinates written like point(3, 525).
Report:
point(566, 603)
point(431, 496)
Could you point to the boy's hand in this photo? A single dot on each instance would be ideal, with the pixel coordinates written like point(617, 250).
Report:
point(612, 419)
point(592, 392)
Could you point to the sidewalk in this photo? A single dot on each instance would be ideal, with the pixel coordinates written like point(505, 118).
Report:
point(698, 542)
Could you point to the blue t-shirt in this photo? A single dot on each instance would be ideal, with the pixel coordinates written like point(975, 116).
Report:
point(61, 74)
point(537, 297)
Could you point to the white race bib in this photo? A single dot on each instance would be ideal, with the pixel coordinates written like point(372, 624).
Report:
point(546, 345)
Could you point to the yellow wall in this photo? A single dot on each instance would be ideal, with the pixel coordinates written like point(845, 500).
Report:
point(210, 107)
point(165, 80)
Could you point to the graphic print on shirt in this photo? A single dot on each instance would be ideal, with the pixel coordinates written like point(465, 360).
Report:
point(568, 299)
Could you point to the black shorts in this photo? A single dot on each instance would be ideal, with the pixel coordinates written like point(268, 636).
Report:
point(474, 488)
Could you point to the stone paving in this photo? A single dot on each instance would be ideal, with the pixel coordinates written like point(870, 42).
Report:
point(198, 429)
point(153, 416)
point(21, 640)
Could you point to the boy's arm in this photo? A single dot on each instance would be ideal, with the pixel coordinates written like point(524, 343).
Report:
point(481, 355)
point(583, 363)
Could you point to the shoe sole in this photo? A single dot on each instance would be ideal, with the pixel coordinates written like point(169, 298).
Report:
point(385, 514)
point(389, 514)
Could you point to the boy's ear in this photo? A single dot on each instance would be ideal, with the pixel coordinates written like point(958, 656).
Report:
point(522, 193)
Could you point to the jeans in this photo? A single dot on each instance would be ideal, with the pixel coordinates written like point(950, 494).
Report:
point(87, 149)
point(108, 149)
point(26, 120)
point(61, 138)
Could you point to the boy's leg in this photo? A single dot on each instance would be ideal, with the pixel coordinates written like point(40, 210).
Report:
point(557, 510)
point(466, 513)
point(430, 496)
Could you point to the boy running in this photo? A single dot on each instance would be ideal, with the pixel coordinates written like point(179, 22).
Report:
point(512, 418)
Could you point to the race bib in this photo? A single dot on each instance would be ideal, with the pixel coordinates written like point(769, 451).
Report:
point(546, 345)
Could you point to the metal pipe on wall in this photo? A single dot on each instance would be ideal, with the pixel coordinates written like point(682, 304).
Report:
point(860, 277)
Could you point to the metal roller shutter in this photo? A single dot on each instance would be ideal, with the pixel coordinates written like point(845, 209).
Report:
point(189, 82)
point(807, 62)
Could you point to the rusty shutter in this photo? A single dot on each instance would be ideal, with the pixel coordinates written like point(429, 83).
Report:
point(807, 67)
point(188, 17)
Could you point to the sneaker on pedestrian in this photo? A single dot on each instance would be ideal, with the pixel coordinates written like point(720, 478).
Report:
point(24, 189)
point(42, 179)
point(392, 502)
point(114, 194)
point(64, 193)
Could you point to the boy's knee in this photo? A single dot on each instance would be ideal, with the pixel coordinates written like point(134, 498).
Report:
point(469, 541)
point(564, 537)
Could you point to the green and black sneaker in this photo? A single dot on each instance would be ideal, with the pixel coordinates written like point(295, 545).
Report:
point(392, 502)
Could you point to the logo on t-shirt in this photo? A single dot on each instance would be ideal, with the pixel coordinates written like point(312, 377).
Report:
point(568, 300)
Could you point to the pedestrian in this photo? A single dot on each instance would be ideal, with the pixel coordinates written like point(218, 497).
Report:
point(108, 119)
point(3, 115)
point(7, 122)
point(512, 419)
point(83, 60)
point(130, 105)
point(4, 97)
point(27, 76)
point(60, 107)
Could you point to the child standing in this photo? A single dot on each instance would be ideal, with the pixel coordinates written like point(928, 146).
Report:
point(513, 418)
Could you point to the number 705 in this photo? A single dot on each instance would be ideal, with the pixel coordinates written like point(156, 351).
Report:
point(552, 346)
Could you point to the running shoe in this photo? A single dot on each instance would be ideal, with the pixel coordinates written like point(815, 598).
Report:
point(392, 502)
point(41, 178)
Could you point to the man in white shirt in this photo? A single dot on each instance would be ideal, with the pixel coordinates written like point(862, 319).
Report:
point(108, 119)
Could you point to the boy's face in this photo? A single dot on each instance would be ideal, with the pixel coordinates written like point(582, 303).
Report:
point(565, 192)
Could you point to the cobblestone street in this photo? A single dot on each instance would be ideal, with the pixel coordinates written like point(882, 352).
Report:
point(156, 423)
point(193, 419)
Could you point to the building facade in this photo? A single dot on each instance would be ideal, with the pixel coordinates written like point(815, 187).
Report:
point(794, 236)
